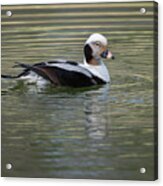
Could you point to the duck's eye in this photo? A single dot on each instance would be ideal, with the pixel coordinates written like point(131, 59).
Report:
point(97, 44)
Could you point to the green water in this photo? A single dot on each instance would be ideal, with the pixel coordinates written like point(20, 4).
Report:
point(104, 132)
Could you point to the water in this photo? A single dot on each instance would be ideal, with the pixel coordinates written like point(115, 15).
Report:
point(105, 132)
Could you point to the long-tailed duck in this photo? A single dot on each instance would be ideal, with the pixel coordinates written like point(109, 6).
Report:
point(70, 73)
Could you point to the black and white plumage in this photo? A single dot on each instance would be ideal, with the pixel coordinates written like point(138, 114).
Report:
point(70, 73)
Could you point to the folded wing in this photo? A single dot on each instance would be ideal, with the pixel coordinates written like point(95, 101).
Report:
point(63, 73)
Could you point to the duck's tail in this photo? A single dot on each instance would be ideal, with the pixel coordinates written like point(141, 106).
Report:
point(8, 76)
point(25, 72)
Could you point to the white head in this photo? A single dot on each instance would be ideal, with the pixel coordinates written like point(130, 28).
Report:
point(96, 47)
point(97, 38)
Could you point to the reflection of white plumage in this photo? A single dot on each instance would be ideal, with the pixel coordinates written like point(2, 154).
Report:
point(95, 108)
point(70, 73)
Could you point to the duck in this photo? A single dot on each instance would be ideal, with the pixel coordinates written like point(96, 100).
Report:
point(69, 73)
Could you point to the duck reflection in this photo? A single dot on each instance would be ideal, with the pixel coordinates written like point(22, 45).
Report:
point(94, 103)
point(96, 111)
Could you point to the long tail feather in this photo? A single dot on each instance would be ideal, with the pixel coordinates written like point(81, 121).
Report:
point(18, 64)
point(25, 71)
point(8, 76)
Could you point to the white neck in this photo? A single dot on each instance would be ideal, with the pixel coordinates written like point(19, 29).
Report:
point(100, 70)
point(100, 62)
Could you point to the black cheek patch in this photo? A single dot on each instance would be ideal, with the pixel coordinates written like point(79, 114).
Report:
point(88, 53)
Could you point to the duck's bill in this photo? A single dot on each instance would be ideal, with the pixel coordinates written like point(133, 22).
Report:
point(107, 55)
point(110, 56)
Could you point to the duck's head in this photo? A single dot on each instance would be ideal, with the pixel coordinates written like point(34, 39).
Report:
point(96, 47)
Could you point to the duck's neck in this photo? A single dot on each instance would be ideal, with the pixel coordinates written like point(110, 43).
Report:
point(93, 61)
point(99, 70)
